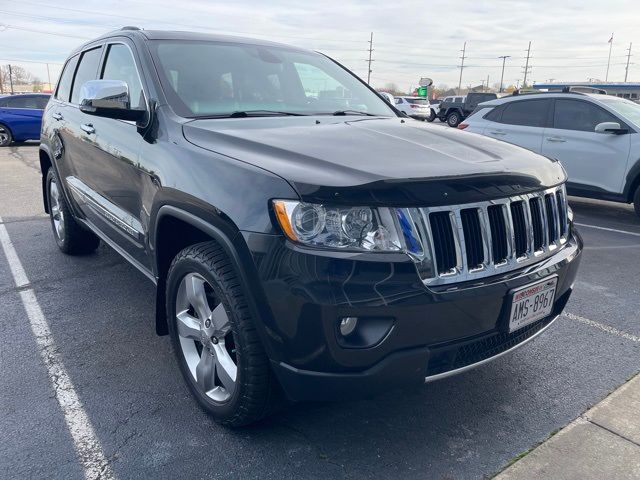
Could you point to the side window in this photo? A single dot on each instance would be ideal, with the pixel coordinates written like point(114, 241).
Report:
point(120, 65)
point(529, 113)
point(494, 114)
point(41, 102)
point(579, 115)
point(397, 100)
point(64, 84)
point(22, 101)
point(87, 70)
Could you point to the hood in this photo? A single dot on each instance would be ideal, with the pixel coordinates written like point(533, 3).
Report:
point(377, 160)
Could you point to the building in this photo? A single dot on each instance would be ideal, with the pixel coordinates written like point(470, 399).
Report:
point(619, 89)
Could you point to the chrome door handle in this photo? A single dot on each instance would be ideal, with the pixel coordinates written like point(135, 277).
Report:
point(88, 128)
point(57, 116)
point(497, 132)
point(556, 139)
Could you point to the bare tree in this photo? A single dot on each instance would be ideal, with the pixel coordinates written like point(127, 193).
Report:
point(19, 75)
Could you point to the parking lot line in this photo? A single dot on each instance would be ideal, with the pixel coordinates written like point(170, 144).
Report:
point(635, 234)
point(86, 442)
point(601, 326)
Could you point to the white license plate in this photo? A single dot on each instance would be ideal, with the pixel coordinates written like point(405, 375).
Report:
point(532, 303)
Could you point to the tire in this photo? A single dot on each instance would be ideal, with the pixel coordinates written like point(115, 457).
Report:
point(432, 116)
point(636, 201)
point(5, 136)
point(202, 284)
point(71, 238)
point(453, 119)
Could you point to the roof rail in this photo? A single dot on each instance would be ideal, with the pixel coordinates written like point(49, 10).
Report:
point(130, 27)
point(583, 89)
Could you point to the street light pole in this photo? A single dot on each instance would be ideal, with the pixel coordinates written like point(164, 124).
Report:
point(606, 78)
point(464, 49)
point(504, 58)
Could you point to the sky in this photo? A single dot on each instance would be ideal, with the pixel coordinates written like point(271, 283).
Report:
point(411, 39)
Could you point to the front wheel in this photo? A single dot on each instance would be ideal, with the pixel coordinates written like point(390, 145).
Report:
point(215, 339)
point(453, 120)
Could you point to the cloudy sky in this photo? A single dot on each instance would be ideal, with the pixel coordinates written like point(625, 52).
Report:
point(412, 39)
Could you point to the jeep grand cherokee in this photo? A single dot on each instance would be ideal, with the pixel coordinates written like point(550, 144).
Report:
point(306, 240)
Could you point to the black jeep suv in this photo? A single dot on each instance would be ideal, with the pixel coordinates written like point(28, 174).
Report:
point(306, 240)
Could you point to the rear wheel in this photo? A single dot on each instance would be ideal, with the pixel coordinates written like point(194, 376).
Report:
point(215, 339)
point(453, 119)
point(5, 136)
point(432, 116)
point(636, 201)
point(71, 238)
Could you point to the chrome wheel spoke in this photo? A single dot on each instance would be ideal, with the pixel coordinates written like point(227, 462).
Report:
point(205, 371)
point(197, 296)
point(188, 326)
point(225, 368)
point(220, 321)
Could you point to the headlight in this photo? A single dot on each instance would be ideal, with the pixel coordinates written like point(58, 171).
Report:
point(348, 228)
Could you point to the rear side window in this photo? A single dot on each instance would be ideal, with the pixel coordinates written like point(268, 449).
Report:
point(64, 84)
point(530, 113)
point(579, 115)
point(20, 101)
point(493, 115)
point(87, 70)
point(120, 65)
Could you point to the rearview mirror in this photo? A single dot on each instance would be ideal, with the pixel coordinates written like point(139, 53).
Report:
point(110, 99)
point(611, 128)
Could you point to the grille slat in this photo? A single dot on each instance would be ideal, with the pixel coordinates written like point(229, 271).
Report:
point(477, 240)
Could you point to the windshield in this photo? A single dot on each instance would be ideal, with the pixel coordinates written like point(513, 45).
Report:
point(210, 79)
point(417, 101)
point(625, 108)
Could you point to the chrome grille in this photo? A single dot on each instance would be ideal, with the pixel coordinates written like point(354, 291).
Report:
point(471, 241)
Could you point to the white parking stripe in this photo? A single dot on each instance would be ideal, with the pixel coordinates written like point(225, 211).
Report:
point(86, 442)
point(601, 326)
point(635, 234)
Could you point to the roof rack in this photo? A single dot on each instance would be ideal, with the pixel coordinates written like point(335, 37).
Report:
point(583, 89)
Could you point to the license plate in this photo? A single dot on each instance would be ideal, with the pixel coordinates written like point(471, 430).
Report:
point(531, 303)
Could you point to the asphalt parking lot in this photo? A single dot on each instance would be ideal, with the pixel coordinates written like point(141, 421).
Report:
point(100, 311)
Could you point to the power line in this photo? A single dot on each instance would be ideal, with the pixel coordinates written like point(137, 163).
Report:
point(464, 49)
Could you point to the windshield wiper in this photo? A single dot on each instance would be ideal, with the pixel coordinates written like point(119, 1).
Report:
point(261, 113)
point(352, 112)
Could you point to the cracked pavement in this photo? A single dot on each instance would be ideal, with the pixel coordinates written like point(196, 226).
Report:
point(101, 314)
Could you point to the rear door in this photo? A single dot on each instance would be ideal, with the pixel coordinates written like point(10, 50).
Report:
point(593, 160)
point(23, 116)
point(520, 122)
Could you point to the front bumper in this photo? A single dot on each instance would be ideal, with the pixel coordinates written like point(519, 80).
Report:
point(435, 332)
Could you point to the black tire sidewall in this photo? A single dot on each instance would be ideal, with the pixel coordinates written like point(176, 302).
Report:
point(431, 117)
point(221, 410)
point(636, 201)
point(453, 116)
point(6, 129)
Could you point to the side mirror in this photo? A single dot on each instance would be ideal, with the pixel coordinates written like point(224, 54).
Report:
point(610, 128)
point(110, 99)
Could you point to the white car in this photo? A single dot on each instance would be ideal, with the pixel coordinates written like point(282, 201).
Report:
point(595, 137)
point(415, 107)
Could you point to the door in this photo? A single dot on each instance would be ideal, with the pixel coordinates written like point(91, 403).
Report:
point(109, 174)
point(23, 116)
point(520, 122)
point(593, 160)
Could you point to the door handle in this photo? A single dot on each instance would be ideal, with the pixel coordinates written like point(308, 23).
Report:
point(497, 132)
point(556, 139)
point(57, 116)
point(88, 128)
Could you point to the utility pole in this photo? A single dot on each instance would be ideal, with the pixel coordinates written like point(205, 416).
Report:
point(626, 70)
point(1, 82)
point(504, 58)
point(10, 79)
point(487, 82)
point(49, 78)
point(370, 53)
point(526, 66)
point(606, 78)
point(464, 49)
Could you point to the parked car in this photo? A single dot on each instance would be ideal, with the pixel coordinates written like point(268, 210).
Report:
point(595, 137)
point(434, 105)
point(21, 117)
point(388, 97)
point(456, 109)
point(415, 107)
point(298, 248)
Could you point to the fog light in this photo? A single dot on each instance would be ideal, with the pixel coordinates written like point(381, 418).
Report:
point(348, 325)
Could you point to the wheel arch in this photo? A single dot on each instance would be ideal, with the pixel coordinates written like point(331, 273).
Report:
point(632, 182)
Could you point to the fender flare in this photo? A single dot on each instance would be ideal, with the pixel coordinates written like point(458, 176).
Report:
point(632, 182)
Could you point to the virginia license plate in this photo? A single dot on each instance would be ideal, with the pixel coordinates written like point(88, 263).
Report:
point(531, 303)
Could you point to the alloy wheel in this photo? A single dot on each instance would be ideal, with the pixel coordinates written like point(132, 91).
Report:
point(5, 138)
point(57, 214)
point(205, 338)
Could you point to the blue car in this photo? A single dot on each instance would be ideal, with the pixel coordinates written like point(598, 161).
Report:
point(21, 117)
